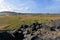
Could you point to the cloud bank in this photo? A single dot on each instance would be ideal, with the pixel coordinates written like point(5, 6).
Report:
point(31, 6)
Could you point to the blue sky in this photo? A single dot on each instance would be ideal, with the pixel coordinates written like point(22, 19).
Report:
point(30, 6)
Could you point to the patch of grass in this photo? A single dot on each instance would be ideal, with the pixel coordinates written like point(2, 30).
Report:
point(16, 20)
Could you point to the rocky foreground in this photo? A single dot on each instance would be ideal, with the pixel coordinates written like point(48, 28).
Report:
point(43, 34)
point(43, 31)
point(34, 31)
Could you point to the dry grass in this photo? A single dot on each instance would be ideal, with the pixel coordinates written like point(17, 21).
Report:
point(15, 21)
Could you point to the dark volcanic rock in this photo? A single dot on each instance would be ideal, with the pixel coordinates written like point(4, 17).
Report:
point(36, 31)
point(6, 36)
point(36, 38)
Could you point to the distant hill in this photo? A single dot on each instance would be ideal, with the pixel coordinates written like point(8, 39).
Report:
point(9, 13)
point(15, 13)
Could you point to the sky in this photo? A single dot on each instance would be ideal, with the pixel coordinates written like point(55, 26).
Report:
point(30, 6)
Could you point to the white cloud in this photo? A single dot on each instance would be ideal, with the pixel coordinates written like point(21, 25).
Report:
point(1, 1)
point(28, 6)
point(21, 7)
point(4, 6)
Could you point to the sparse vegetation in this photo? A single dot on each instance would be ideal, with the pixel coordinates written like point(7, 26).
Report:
point(32, 25)
point(13, 21)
